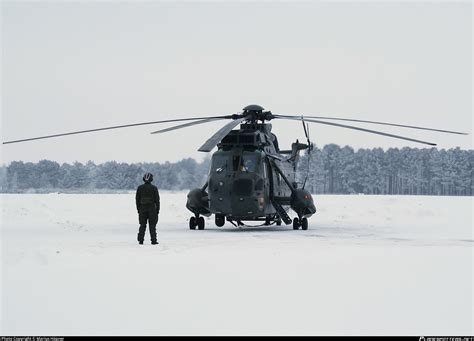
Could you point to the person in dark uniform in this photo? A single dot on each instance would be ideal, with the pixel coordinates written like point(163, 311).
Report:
point(148, 207)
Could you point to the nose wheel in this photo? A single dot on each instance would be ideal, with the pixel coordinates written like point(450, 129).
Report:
point(196, 222)
point(220, 220)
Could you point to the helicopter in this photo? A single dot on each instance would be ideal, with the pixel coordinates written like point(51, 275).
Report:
point(250, 177)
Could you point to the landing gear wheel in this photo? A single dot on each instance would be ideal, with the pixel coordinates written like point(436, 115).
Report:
point(220, 221)
point(278, 222)
point(296, 224)
point(200, 223)
point(192, 223)
point(304, 224)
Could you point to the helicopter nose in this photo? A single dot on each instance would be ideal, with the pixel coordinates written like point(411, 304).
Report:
point(243, 187)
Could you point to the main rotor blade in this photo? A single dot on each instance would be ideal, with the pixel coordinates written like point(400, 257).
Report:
point(186, 125)
point(115, 127)
point(357, 128)
point(219, 135)
point(376, 122)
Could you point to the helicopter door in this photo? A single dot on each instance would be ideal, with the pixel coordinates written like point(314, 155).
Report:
point(276, 182)
point(268, 176)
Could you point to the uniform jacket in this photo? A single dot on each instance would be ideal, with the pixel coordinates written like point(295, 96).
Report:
point(147, 198)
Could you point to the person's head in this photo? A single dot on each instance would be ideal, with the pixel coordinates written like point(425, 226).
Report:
point(148, 178)
point(248, 165)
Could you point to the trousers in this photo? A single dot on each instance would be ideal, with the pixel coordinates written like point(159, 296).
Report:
point(152, 218)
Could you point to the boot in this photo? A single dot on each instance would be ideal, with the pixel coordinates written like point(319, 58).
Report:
point(140, 236)
point(153, 234)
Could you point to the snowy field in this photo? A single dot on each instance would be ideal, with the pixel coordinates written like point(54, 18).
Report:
point(367, 265)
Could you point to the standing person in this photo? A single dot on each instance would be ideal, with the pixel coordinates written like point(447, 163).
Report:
point(148, 207)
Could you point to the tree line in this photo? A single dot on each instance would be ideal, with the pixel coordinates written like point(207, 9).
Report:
point(406, 171)
point(332, 170)
point(50, 176)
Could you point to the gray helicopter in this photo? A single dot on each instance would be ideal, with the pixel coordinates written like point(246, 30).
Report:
point(251, 178)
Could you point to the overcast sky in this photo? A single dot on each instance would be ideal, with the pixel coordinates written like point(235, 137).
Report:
point(81, 65)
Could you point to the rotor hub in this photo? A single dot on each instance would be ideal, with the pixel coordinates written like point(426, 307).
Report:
point(255, 113)
point(253, 107)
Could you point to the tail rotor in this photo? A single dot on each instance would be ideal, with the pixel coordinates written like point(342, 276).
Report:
point(310, 148)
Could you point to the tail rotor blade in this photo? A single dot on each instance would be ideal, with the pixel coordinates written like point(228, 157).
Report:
point(304, 127)
point(307, 138)
point(310, 147)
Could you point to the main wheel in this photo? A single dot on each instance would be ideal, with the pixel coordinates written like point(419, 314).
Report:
point(296, 224)
point(192, 223)
point(304, 223)
point(278, 222)
point(200, 223)
point(220, 221)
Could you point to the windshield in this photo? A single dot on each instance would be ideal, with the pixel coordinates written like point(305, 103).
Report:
point(219, 163)
point(249, 162)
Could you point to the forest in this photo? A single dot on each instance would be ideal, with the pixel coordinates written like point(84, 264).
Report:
point(332, 170)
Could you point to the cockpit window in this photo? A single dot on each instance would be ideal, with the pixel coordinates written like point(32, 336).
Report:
point(249, 162)
point(219, 163)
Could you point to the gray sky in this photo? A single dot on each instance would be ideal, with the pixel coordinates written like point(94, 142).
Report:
point(80, 65)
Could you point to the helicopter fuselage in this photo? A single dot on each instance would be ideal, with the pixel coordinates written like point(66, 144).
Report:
point(247, 176)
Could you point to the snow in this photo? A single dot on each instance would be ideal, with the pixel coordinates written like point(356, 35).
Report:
point(368, 265)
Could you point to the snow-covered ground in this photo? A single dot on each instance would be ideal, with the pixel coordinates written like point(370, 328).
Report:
point(367, 265)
